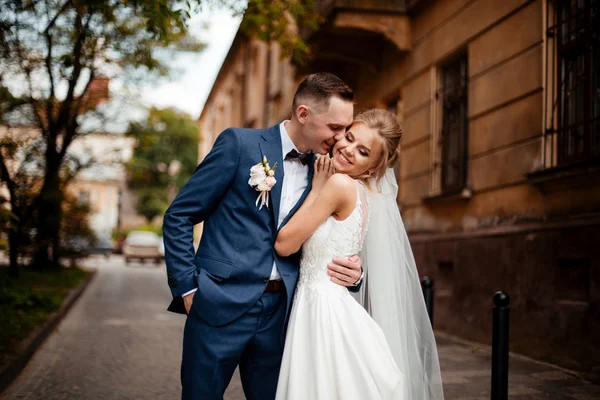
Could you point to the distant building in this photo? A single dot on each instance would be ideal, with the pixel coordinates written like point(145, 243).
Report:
point(499, 175)
point(104, 185)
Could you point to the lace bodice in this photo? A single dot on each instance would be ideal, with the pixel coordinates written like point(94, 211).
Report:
point(334, 238)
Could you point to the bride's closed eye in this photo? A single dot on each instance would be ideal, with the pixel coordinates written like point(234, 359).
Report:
point(350, 138)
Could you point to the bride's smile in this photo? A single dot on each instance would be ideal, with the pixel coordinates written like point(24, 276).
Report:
point(356, 152)
point(343, 159)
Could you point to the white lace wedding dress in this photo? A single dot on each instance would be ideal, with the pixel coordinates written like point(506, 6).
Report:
point(334, 349)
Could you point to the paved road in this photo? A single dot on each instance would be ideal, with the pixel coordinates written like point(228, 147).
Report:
point(118, 342)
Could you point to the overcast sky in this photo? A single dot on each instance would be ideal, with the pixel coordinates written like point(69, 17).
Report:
point(194, 74)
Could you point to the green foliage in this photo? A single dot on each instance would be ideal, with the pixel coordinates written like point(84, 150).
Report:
point(152, 201)
point(7, 219)
point(164, 158)
point(150, 228)
point(29, 299)
point(274, 20)
point(269, 20)
point(122, 234)
point(55, 59)
point(75, 228)
point(25, 303)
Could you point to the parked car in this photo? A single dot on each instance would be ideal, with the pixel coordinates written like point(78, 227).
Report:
point(142, 245)
point(76, 247)
point(104, 245)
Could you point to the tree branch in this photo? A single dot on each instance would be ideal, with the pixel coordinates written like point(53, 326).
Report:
point(10, 184)
point(73, 174)
point(81, 28)
point(48, 62)
point(58, 14)
point(71, 129)
point(27, 70)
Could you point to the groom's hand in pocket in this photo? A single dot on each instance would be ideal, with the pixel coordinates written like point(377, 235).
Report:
point(345, 271)
point(187, 302)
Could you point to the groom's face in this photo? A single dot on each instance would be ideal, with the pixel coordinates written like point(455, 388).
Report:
point(323, 129)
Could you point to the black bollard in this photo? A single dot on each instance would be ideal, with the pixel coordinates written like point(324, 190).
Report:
point(500, 346)
point(428, 291)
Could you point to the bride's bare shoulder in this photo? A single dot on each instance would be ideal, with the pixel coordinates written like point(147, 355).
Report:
point(341, 182)
point(343, 192)
point(343, 187)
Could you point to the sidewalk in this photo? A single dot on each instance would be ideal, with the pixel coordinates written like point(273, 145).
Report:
point(466, 371)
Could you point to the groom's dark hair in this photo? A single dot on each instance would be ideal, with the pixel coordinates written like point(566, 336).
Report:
point(317, 89)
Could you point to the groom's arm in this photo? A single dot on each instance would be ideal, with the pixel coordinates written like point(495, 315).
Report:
point(196, 200)
point(346, 272)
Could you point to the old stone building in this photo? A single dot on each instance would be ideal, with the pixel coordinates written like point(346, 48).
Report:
point(499, 172)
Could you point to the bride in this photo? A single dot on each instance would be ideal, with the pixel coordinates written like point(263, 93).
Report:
point(334, 349)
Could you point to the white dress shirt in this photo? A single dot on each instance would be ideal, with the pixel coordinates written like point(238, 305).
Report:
point(293, 185)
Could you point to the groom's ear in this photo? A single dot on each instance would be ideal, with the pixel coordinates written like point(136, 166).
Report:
point(302, 113)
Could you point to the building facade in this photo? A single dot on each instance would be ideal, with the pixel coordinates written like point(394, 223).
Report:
point(104, 185)
point(499, 173)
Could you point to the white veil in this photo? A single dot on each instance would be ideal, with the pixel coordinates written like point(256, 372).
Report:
point(391, 292)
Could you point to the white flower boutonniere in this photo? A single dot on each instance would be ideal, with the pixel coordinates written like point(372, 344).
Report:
point(262, 179)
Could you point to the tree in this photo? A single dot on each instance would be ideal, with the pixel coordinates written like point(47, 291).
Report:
point(76, 232)
point(56, 57)
point(164, 157)
point(20, 159)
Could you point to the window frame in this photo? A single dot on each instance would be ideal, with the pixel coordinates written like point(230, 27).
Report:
point(457, 65)
point(571, 140)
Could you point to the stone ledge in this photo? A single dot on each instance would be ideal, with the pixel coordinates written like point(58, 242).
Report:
point(464, 194)
point(564, 177)
point(13, 365)
point(584, 220)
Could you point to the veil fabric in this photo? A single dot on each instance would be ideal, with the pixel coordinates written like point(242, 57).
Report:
point(391, 293)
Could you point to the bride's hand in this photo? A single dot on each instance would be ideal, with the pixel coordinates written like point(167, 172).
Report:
point(323, 170)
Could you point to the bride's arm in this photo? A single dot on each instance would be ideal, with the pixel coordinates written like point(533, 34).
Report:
point(337, 197)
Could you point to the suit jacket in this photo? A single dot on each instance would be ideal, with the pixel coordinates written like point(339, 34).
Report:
point(233, 263)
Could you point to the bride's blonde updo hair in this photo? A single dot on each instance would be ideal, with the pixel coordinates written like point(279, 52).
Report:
point(389, 133)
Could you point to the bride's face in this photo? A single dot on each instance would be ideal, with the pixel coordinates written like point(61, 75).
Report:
point(357, 151)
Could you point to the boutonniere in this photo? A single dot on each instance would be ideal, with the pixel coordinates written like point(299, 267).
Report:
point(262, 179)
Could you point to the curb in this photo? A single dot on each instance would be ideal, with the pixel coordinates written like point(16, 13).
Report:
point(486, 348)
point(15, 364)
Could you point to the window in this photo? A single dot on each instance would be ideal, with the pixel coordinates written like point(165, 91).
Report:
point(453, 97)
point(573, 81)
point(84, 197)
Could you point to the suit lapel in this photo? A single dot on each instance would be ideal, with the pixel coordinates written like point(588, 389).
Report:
point(270, 146)
point(302, 198)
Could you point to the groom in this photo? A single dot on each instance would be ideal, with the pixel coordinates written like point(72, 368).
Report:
point(236, 291)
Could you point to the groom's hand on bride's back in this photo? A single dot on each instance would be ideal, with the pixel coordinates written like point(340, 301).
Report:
point(345, 271)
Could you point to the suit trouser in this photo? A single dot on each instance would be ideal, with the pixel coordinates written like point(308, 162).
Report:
point(254, 341)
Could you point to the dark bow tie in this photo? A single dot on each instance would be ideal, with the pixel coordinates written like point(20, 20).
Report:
point(304, 158)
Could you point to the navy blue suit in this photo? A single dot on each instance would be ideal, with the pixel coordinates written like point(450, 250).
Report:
point(232, 320)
